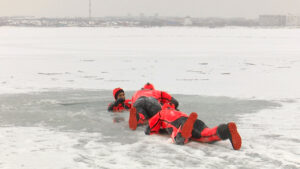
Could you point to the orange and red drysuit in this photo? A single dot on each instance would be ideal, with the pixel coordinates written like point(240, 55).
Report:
point(144, 108)
point(172, 121)
point(146, 103)
point(149, 91)
point(119, 104)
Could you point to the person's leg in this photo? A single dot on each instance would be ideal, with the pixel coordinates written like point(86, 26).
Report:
point(183, 133)
point(137, 113)
point(188, 126)
point(152, 106)
point(208, 135)
point(229, 131)
point(136, 116)
point(132, 118)
point(202, 133)
point(177, 136)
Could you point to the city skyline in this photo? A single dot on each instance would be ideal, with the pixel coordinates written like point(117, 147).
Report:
point(194, 8)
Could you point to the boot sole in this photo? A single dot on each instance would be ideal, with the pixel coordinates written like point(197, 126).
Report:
point(188, 126)
point(235, 139)
point(132, 119)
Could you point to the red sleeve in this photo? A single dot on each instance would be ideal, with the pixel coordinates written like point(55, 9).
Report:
point(118, 108)
point(165, 97)
point(113, 108)
point(128, 103)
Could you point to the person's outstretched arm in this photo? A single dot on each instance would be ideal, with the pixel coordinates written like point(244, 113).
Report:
point(115, 104)
point(167, 98)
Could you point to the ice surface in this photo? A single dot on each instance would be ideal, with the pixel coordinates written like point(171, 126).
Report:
point(75, 125)
point(237, 62)
point(55, 84)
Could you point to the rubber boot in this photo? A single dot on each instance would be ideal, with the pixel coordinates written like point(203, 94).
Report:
point(132, 119)
point(188, 126)
point(229, 131)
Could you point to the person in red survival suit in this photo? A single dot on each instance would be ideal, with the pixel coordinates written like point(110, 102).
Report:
point(183, 128)
point(149, 91)
point(144, 108)
point(120, 104)
point(138, 113)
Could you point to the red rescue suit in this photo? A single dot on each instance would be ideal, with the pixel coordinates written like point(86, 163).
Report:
point(119, 106)
point(161, 96)
point(172, 121)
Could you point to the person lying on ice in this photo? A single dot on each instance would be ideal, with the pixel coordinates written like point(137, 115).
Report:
point(144, 111)
point(184, 128)
point(120, 104)
point(149, 91)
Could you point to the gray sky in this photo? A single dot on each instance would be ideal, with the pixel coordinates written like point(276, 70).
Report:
point(194, 8)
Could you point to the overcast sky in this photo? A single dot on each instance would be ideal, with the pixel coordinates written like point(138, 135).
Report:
point(193, 8)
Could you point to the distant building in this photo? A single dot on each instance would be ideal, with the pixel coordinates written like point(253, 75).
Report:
point(142, 15)
point(272, 20)
point(292, 20)
point(187, 21)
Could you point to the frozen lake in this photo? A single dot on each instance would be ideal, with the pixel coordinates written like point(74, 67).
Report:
point(56, 83)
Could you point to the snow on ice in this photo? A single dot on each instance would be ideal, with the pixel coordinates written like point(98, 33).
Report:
point(55, 84)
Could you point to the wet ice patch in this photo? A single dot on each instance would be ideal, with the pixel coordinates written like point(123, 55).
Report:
point(50, 74)
point(74, 125)
point(87, 60)
point(66, 108)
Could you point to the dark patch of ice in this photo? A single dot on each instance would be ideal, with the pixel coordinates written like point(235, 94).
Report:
point(284, 67)
point(275, 136)
point(50, 74)
point(185, 79)
point(250, 64)
point(196, 71)
point(87, 60)
point(86, 111)
point(88, 77)
point(113, 80)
